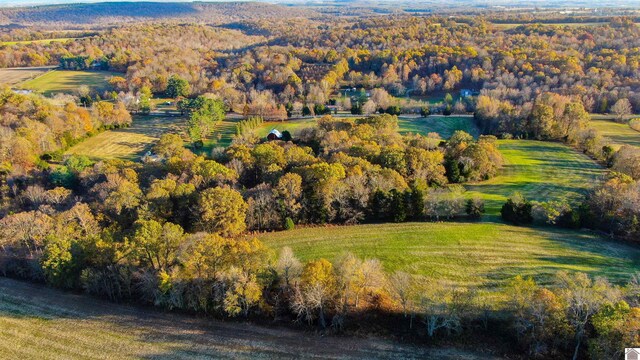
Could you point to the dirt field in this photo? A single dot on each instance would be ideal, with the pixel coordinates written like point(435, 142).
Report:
point(40, 323)
point(13, 76)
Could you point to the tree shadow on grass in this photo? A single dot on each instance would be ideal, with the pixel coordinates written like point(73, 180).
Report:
point(575, 252)
point(162, 335)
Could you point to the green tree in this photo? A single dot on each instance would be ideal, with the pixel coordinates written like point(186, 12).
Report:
point(517, 210)
point(617, 326)
point(474, 208)
point(177, 87)
point(206, 114)
point(145, 95)
point(61, 262)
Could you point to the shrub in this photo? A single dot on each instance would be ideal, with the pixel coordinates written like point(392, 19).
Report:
point(289, 224)
point(474, 208)
point(635, 124)
point(517, 210)
point(286, 135)
point(394, 110)
point(549, 212)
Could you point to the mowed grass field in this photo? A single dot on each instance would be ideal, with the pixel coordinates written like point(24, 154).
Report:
point(479, 255)
point(443, 125)
point(68, 81)
point(541, 171)
point(618, 133)
point(129, 143)
point(13, 76)
point(41, 323)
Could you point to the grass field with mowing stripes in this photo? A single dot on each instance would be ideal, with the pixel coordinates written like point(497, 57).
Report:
point(480, 255)
point(618, 133)
point(443, 125)
point(129, 143)
point(541, 171)
point(68, 81)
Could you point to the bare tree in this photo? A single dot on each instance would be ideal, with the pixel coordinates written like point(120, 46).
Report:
point(621, 108)
point(583, 298)
point(288, 266)
point(402, 288)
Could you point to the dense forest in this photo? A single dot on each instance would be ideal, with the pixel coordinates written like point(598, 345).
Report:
point(178, 230)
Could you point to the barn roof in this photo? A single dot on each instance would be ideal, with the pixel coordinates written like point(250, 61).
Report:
point(276, 133)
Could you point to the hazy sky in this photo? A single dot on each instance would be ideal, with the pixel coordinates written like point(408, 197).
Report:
point(554, 3)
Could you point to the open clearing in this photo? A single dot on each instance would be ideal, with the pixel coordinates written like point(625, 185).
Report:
point(443, 125)
point(68, 81)
point(129, 143)
point(41, 41)
point(41, 323)
point(227, 129)
point(541, 171)
point(13, 76)
point(618, 133)
point(481, 255)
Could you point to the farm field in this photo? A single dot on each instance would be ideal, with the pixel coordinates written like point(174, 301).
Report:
point(480, 255)
point(40, 323)
point(129, 143)
point(68, 81)
point(41, 41)
point(541, 171)
point(619, 133)
point(13, 76)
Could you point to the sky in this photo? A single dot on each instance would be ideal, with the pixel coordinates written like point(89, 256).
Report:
point(554, 3)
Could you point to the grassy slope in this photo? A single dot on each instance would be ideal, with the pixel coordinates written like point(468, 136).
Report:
point(67, 81)
point(541, 171)
point(129, 143)
point(619, 133)
point(41, 323)
point(483, 255)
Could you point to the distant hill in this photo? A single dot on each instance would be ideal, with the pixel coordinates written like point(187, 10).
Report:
point(119, 12)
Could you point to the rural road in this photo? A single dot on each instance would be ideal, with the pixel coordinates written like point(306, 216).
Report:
point(37, 312)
